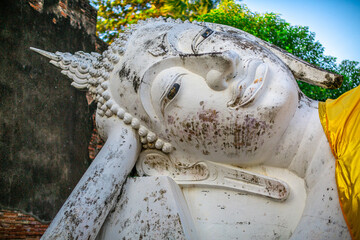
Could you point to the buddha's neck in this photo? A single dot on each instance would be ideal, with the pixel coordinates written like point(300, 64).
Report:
point(300, 142)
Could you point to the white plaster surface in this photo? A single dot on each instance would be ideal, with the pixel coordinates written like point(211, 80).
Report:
point(149, 208)
point(227, 214)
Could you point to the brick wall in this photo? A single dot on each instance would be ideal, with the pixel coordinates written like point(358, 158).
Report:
point(80, 13)
point(96, 143)
point(17, 225)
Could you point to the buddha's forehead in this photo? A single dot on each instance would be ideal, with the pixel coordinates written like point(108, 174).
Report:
point(210, 38)
point(154, 42)
point(172, 38)
point(158, 41)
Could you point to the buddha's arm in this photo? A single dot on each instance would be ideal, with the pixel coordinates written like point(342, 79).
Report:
point(84, 212)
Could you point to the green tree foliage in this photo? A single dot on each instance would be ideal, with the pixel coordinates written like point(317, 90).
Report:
point(185, 9)
point(297, 40)
point(115, 15)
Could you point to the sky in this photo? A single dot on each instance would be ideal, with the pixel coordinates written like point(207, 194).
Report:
point(335, 23)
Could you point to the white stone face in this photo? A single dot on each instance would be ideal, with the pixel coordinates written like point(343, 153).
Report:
point(202, 121)
point(230, 95)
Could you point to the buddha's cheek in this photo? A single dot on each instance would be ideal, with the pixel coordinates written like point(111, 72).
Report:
point(218, 135)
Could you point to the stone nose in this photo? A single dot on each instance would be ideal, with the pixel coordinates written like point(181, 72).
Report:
point(218, 78)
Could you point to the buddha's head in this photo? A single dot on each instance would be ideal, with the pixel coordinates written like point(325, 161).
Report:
point(199, 89)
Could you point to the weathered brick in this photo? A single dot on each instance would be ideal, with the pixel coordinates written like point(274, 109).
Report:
point(15, 225)
point(62, 5)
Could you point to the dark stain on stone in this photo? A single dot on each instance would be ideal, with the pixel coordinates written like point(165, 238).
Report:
point(136, 83)
point(333, 83)
point(208, 115)
point(124, 72)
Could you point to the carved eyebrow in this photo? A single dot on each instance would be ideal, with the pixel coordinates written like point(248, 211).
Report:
point(160, 46)
point(204, 33)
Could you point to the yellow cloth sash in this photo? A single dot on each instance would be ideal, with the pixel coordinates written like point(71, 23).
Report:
point(340, 119)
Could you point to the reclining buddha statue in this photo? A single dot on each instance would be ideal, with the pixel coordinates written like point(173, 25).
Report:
point(218, 138)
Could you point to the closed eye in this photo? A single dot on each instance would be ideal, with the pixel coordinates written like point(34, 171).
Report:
point(171, 92)
point(200, 37)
